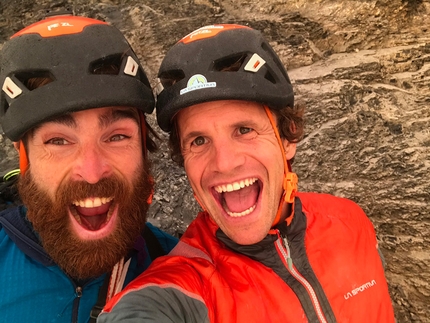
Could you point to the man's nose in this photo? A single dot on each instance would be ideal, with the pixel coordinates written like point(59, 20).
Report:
point(92, 164)
point(227, 156)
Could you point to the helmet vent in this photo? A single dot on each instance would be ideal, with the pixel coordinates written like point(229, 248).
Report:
point(110, 65)
point(4, 105)
point(35, 79)
point(171, 77)
point(278, 63)
point(230, 64)
point(268, 76)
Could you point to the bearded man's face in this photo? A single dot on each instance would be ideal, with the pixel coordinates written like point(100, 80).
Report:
point(87, 188)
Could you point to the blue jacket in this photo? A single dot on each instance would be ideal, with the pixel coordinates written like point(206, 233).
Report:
point(35, 289)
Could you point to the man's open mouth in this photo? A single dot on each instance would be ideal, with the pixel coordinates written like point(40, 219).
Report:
point(239, 198)
point(92, 213)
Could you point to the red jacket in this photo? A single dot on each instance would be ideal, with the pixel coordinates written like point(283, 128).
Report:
point(331, 271)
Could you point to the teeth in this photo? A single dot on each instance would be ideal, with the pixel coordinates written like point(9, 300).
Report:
point(235, 186)
point(97, 202)
point(90, 203)
point(246, 212)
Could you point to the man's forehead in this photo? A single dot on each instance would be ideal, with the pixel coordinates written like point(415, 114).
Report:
point(107, 111)
point(105, 116)
point(244, 109)
point(211, 117)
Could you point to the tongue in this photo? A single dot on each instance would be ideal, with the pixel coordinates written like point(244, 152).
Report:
point(93, 218)
point(93, 223)
point(241, 200)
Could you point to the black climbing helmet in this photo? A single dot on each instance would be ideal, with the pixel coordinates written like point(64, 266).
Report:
point(71, 51)
point(221, 62)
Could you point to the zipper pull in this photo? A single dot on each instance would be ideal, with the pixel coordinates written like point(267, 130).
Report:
point(287, 247)
point(78, 291)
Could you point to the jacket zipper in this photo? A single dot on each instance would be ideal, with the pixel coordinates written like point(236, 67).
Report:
point(284, 249)
point(78, 293)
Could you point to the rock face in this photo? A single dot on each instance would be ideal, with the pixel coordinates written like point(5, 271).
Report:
point(363, 70)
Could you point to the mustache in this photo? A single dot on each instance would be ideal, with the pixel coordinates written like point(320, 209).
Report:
point(75, 191)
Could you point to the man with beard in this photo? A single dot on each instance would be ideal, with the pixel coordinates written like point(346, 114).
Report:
point(73, 101)
point(260, 251)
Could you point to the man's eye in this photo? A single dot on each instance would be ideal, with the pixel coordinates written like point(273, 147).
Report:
point(198, 141)
point(244, 130)
point(57, 141)
point(118, 137)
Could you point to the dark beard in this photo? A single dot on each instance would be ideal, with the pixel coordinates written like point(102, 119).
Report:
point(91, 258)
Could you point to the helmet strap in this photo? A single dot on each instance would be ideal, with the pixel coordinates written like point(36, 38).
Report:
point(144, 132)
point(290, 179)
point(198, 201)
point(23, 159)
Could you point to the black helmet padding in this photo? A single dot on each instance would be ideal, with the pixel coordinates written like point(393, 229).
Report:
point(204, 57)
point(70, 61)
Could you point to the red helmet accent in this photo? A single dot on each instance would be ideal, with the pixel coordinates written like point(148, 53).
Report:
point(208, 32)
point(58, 26)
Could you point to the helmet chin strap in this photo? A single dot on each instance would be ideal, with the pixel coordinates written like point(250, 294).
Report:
point(145, 151)
point(23, 159)
point(290, 178)
point(199, 202)
point(143, 131)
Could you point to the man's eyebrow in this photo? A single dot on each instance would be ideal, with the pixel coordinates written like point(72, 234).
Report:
point(65, 119)
point(118, 114)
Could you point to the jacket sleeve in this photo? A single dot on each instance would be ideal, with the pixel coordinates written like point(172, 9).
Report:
point(168, 292)
point(157, 304)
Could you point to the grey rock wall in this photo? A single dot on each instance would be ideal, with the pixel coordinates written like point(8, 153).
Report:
point(363, 70)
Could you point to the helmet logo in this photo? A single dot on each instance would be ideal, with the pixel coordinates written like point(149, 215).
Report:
point(56, 25)
point(197, 82)
point(10, 88)
point(255, 63)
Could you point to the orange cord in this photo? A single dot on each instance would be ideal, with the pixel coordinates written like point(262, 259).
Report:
point(23, 159)
point(145, 151)
point(290, 178)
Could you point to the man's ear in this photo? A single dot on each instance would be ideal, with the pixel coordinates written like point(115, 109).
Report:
point(289, 148)
point(16, 145)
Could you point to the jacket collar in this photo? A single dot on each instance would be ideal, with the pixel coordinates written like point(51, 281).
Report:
point(294, 232)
